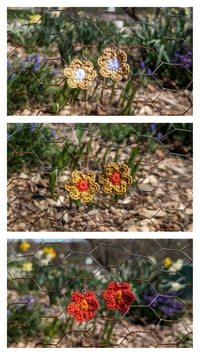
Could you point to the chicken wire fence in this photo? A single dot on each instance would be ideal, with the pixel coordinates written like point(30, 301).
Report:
point(156, 43)
point(42, 159)
point(43, 276)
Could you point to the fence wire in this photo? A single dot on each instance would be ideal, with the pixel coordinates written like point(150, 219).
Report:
point(42, 157)
point(42, 276)
point(44, 41)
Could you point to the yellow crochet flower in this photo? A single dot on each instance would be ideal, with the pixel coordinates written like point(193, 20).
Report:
point(113, 64)
point(80, 74)
point(82, 186)
point(24, 246)
point(115, 178)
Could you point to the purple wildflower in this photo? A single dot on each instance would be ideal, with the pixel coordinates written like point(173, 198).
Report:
point(37, 58)
point(186, 58)
point(11, 76)
point(32, 127)
point(36, 66)
point(53, 133)
point(159, 135)
point(152, 127)
point(28, 58)
point(55, 71)
point(148, 71)
point(165, 302)
point(142, 64)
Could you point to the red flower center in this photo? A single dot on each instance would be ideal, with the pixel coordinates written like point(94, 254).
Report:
point(82, 185)
point(115, 178)
point(83, 305)
point(118, 296)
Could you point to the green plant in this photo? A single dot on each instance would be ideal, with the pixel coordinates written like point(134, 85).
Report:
point(27, 146)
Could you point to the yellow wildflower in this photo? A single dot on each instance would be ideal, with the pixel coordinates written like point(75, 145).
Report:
point(49, 251)
point(113, 64)
point(35, 18)
point(167, 262)
point(24, 246)
point(27, 266)
point(115, 178)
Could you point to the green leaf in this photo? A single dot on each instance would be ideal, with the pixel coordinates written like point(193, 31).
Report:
point(52, 181)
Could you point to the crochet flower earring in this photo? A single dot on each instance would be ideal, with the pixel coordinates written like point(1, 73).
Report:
point(80, 74)
point(113, 64)
point(115, 178)
point(82, 186)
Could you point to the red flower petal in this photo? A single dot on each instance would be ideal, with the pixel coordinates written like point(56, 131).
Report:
point(110, 304)
point(89, 294)
point(93, 304)
point(77, 297)
point(112, 286)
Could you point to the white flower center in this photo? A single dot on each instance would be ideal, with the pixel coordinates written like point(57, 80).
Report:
point(80, 74)
point(113, 64)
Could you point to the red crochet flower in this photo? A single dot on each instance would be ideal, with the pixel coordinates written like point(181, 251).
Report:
point(119, 296)
point(83, 306)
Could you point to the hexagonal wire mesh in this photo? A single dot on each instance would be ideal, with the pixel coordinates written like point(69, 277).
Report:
point(44, 41)
point(42, 157)
point(43, 275)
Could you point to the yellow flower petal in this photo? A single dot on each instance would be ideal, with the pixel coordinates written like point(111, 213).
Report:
point(124, 69)
point(123, 169)
point(90, 176)
point(116, 76)
point(84, 84)
point(73, 83)
point(75, 194)
point(108, 187)
point(76, 64)
point(106, 73)
point(86, 196)
point(121, 56)
point(76, 176)
point(127, 178)
point(121, 188)
point(87, 66)
point(69, 73)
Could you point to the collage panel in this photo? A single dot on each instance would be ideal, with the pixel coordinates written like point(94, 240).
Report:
point(107, 293)
point(75, 61)
point(93, 177)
